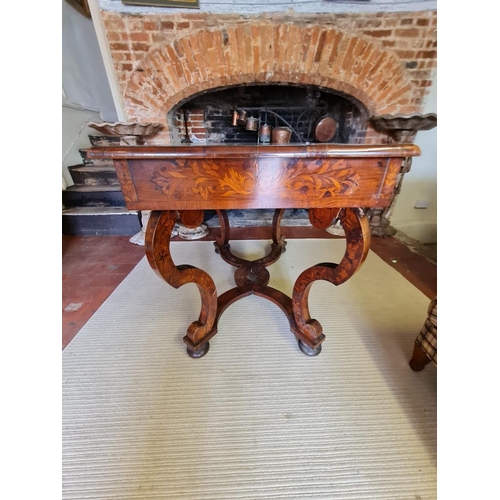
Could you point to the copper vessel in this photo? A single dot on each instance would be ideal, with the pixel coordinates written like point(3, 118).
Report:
point(281, 135)
point(242, 117)
point(325, 128)
point(235, 118)
point(252, 124)
point(265, 134)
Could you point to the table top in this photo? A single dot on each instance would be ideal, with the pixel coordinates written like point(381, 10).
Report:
point(202, 177)
point(256, 151)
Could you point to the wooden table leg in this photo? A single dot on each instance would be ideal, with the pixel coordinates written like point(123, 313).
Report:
point(252, 277)
point(250, 272)
point(157, 245)
point(309, 331)
point(419, 359)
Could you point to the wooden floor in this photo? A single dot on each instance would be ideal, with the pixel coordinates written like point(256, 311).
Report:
point(93, 266)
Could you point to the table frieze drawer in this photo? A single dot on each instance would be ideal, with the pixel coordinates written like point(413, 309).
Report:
point(192, 178)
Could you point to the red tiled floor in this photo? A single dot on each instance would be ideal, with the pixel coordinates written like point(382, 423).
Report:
point(93, 266)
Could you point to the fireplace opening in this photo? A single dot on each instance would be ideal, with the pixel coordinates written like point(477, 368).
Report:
point(210, 118)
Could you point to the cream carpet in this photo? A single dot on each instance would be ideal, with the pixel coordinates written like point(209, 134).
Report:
point(255, 418)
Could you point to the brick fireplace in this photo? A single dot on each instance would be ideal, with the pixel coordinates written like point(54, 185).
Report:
point(171, 65)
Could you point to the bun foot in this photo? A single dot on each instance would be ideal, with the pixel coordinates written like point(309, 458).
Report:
point(200, 352)
point(307, 350)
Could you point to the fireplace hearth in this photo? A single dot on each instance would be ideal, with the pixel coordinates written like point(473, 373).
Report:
point(191, 70)
point(209, 118)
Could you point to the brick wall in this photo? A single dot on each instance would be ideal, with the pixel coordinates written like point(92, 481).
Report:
point(385, 60)
point(192, 123)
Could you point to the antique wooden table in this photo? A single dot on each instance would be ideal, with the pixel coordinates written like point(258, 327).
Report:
point(331, 181)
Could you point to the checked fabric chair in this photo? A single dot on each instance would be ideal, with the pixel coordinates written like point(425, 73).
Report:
point(425, 349)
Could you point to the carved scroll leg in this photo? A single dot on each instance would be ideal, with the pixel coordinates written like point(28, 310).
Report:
point(158, 232)
point(309, 331)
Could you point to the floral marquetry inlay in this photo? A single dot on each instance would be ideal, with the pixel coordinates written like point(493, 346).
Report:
point(222, 177)
point(311, 179)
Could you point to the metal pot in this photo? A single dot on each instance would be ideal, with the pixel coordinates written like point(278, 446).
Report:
point(265, 134)
point(281, 135)
point(242, 117)
point(252, 124)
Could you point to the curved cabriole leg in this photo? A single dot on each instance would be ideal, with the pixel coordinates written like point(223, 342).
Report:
point(309, 331)
point(157, 245)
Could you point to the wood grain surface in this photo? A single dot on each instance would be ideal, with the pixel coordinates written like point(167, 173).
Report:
point(237, 177)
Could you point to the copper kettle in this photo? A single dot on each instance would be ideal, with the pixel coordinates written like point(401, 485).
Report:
point(252, 124)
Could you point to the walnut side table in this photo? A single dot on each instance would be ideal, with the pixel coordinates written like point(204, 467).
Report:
point(331, 181)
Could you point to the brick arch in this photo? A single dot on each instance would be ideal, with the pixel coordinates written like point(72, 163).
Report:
point(266, 53)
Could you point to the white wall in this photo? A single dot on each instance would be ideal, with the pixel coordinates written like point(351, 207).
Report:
point(259, 6)
point(420, 184)
point(86, 93)
point(84, 78)
point(75, 134)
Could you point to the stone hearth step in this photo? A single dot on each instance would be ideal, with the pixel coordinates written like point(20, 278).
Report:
point(91, 175)
point(258, 217)
point(100, 221)
point(93, 196)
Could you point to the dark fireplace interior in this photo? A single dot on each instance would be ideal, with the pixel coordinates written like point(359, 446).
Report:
point(208, 118)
